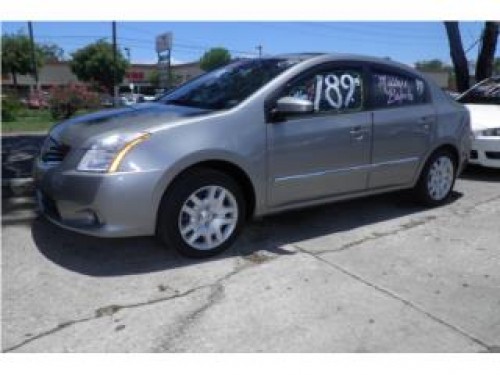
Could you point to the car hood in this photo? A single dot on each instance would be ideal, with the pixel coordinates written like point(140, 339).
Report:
point(484, 116)
point(135, 118)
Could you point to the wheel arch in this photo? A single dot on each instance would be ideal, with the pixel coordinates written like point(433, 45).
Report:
point(450, 148)
point(447, 146)
point(232, 169)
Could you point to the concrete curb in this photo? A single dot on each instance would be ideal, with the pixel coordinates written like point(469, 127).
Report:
point(17, 187)
point(20, 134)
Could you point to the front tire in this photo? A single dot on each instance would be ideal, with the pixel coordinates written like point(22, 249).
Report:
point(202, 213)
point(437, 179)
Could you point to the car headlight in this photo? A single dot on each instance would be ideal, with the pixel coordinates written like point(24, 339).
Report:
point(495, 132)
point(107, 154)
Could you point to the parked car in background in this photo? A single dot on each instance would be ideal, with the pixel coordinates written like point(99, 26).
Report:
point(483, 103)
point(106, 100)
point(141, 98)
point(126, 99)
point(149, 98)
point(453, 94)
point(255, 137)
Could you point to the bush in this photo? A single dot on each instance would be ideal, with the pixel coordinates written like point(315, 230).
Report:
point(66, 100)
point(10, 108)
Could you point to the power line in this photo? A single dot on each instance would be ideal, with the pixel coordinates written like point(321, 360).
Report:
point(32, 52)
point(473, 45)
point(192, 46)
point(304, 29)
point(74, 36)
point(149, 42)
point(153, 34)
point(365, 31)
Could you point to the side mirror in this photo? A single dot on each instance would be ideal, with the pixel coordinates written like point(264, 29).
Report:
point(291, 105)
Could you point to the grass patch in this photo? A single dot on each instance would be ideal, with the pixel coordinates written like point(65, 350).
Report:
point(32, 120)
point(29, 120)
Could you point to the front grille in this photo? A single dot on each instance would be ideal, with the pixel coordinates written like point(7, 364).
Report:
point(492, 155)
point(53, 152)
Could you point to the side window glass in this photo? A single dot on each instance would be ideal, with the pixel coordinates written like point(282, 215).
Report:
point(396, 90)
point(331, 91)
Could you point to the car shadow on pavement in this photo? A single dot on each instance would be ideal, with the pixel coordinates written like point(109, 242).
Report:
point(112, 257)
point(478, 173)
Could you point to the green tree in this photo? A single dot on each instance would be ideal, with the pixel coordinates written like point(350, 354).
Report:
point(434, 65)
point(51, 52)
point(94, 64)
point(496, 65)
point(215, 58)
point(154, 78)
point(16, 55)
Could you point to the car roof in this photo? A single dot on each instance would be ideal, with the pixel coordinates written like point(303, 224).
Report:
point(298, 55)
point(325, 57)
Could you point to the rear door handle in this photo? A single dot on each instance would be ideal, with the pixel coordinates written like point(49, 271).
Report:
point(426, 120)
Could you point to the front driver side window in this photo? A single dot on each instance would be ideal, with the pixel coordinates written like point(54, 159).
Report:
point(331, 90)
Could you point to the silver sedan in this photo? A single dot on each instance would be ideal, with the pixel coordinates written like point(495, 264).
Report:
point(255, 137)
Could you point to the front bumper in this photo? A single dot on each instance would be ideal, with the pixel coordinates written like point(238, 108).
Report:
point(103, 205)
point(485, 151)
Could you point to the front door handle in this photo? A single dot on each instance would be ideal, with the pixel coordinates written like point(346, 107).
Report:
point(357, 133)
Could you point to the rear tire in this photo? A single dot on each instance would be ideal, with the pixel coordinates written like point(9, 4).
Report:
point(202, 213)
point(437, 179)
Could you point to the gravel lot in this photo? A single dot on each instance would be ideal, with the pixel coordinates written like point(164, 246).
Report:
point(371, 275)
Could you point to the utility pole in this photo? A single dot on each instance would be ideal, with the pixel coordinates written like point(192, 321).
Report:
point(115, 86)
point(127, 51)
point(32, 50)
point(259, 48)
point(130, 76)
point(169, 76)
point(164, 44)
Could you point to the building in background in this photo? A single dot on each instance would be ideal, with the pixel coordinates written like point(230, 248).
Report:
point(59, 73)
point(442, 79)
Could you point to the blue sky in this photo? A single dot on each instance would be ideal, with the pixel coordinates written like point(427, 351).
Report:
point(402, 41)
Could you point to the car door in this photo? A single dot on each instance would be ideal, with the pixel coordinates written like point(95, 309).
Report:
point(403, 119)
point(325, 152)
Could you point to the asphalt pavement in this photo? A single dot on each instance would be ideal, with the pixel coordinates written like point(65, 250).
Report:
point(378, 274)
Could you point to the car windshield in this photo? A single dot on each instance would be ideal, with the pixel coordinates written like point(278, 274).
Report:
point(486, 92)
point(226, 87)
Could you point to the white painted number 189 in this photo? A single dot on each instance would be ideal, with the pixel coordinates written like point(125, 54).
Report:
point(334, 90)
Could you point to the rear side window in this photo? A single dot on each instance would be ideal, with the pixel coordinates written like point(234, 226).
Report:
point(396, 90)
point(330, 90)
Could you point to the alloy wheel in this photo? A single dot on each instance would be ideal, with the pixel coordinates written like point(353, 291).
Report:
point(208, 217)
point(440, 178)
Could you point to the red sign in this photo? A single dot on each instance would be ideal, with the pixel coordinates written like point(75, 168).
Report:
point(135, 76)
